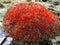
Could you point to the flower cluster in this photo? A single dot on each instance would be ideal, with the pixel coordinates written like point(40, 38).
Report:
point(30, 22)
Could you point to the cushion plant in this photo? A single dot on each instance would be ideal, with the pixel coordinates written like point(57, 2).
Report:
point(30, 22)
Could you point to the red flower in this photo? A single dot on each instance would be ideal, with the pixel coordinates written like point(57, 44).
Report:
point(30, 22)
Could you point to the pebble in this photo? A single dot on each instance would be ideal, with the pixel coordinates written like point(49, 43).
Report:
point(5, 40)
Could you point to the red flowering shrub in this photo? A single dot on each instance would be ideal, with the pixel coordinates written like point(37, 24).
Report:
point(30, 22)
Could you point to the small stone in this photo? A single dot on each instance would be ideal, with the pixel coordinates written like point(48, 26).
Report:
point(2, 39)
point(9, 39)
point(6, 43)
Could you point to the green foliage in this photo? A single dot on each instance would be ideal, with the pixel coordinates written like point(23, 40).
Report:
point(1, 14)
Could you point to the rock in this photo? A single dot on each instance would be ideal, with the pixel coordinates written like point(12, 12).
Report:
point(5, 40)
point(8, 41)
